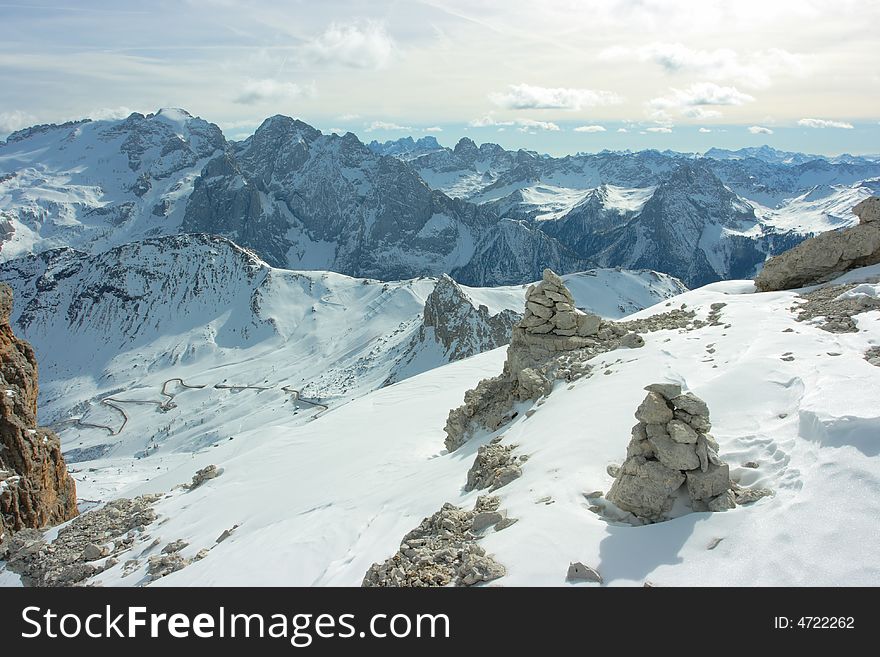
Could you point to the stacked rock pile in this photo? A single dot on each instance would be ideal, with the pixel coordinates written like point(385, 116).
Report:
point(550, 309)
point(671, 447)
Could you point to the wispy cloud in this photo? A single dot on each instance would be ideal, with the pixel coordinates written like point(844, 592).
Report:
point(756, 69)
point(525, 125)
point(260, 91)
point(622, 130)
point(110, 113)
point(434, 128)
point(365, 45)
point(525, 96)
point(530, 124)
point(660, 129)
point(590, 128)
point(704, 130)
point(15, 120)
point(824, 123)
point(386, 125)
point(695, 101)
point(760, 130)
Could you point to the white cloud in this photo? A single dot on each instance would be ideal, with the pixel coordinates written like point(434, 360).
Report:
point(525, 96)
point(660, 129)
point(110, 113)
point(824, 123)
point(590, 128)
point(487, 121)
point(704, 130)
point(386, 125)
point(755, 69)
point(354, 45)
point(434, 128)
point(15, 120)
point(622, 130)
point(525, 125)
point(260, 91)
point(348, 117)
point(760, 130)
point(693, 101)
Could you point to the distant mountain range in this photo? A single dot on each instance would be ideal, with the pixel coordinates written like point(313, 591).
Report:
point(301, 199)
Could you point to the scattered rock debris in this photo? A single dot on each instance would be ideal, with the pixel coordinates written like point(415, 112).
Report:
point(443, 550)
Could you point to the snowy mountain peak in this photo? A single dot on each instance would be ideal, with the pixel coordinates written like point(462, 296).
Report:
point(466, 148)
point(406, 148)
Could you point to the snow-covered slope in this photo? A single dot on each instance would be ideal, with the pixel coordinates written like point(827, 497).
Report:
point(131, 322)
point(317, 503)
point(98, 184)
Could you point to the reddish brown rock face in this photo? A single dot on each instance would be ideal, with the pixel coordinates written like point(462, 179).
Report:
point(35, 488)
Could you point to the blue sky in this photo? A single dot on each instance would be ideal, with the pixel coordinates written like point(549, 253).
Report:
point(554, 76)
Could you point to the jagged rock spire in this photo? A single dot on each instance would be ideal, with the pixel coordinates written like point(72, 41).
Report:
point(35, 488)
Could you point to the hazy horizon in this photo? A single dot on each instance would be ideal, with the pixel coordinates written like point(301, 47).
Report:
point(555, 77)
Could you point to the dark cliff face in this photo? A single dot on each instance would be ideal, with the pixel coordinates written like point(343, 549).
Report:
point(35, 488)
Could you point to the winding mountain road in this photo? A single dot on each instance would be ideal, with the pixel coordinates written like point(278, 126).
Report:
point(168, 404)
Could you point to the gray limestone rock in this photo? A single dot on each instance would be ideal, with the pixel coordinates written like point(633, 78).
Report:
point(654, 410)
point(565, 320)
point(868, 210)
point(539, 310)
point(578, 572)
point(442, 550)
point(205, 474)
point(174, 546)
point(588, 324)
point(645, 488)
point(476, 566)
point(681, 432)
point(74, 555)
point(690, 403)
point(541, 299)
point(484, 520)
point(711, 483)
point(674, 455)
point(722, 502)
point(661, 456)
point(827, 255)
point(698, 422)
point(668, 391)
point(494, 466)
point(749, 495)
point(632, 341)
point(93, 552)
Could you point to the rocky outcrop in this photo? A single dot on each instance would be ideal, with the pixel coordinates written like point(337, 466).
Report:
point(92, 543)
point(552, 341)
point(670, 448)
point(494, 467)
point(826, 256)
point(459, 327)
point(443, 550)
point(835, 307)
point(35, 488)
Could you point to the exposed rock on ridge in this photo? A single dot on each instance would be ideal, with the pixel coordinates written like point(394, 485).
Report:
point(35, 488)
point(826, 256)
point(552, 341)
point(460, 328)
point(443, 550)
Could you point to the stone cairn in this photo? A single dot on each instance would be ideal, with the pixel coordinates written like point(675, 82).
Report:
point(670, 447)
point(553, 341)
